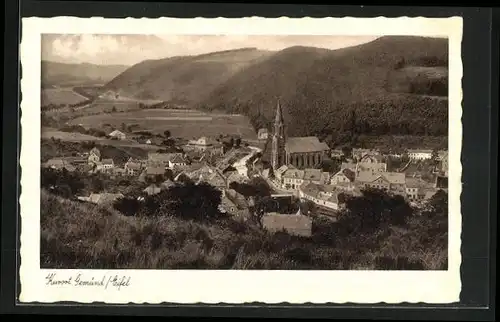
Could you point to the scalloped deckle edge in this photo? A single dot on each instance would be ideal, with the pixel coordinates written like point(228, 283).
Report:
point(234, 287)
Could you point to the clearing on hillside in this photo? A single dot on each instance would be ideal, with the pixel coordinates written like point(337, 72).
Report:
point(60, 96)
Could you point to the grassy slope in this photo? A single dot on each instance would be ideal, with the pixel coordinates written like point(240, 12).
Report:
point(77, 235)
point(54, 73)
point(318, 88)
point(182, 79)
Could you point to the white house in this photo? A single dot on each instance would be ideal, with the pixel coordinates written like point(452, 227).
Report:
point(94, 155)
point(177, 161)
point(118, 135)
point(262, 134)
point(107, 164)
point(343, 176)
point(419, 154)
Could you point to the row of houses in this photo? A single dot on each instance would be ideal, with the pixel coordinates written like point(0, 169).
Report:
point(413, 154)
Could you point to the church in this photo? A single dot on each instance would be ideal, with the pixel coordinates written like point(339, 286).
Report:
point(300, 152)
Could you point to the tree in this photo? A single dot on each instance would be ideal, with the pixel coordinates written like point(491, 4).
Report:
point(124, 127)
point(166, 133)
point(113, 110)
point(347, 151)
point(237, 142)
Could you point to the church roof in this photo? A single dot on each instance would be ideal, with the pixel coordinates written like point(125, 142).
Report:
point(305, 145)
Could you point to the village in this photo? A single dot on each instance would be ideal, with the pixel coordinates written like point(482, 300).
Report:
point(294, 172)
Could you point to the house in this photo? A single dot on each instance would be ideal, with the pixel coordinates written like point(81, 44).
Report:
point(208, 175)
point(322, 195)
point(117, 135)
point(107, 165)
point(202, 144)
point(337, 154)
point(293, 178)
point(345, 175)
point(349, 165)
point(59, 164)
point(371, 158)
point(167, 184)
point(419, 154)
point(132, 168)
point(151, 172)
point(161, 159)
point(441, 182)
point(119, 171)
point(78, 160)
point(294, 224)
point(104, 198)
point(444, 163)
point(415, 189)
point(375, 167)
point(235, 207)
point(387, 181)
point(358, 154)
point(177, 161)
point(94, 155)
point(262, 134)
point(278, 174)
point(316, 176)
point(152, 189)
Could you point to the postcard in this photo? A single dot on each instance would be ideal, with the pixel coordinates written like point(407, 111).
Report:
point(271, 160)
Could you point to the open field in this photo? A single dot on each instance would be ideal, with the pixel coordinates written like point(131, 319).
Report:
point(79, 137)
point(58, 96)
point(181, 123)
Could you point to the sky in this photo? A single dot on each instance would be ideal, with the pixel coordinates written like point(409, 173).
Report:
point(131, 49)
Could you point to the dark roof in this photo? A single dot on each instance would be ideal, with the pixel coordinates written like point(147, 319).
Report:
point(442, 182)
point(305, 145)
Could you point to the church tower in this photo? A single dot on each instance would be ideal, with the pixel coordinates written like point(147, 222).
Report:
point(278, 140)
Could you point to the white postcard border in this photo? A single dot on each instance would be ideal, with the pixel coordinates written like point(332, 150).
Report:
point(234, 286)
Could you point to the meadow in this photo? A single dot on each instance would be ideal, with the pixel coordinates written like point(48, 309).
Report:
point(78, 235)
point(48, 134)
point(60, 96)
point(186, 124)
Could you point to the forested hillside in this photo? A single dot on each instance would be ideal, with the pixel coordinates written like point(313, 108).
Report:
point(182, 80)
point(393, 85)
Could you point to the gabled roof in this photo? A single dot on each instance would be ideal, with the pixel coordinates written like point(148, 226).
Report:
point(348, 173)
point(155, 170)
point(282, 169)
point(178, 159)
point(116, 133)
point(305, 145)
point(133, 165)
point(59, 164)
point(102, 198)
point(95, 151)
point(312, 174)
point(376, 157)
point(395, 177)
point(348, 165)
point(294, 174)
point(162, 157)
point(107, 161)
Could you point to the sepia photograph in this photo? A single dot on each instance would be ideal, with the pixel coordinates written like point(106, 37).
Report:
point(228, 152)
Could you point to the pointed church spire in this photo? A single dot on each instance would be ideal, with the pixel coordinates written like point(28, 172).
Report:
point(279, 114)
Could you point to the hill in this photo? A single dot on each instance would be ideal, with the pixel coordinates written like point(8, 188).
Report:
point(182, 79)
point(392, 85)
point(59, 74)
